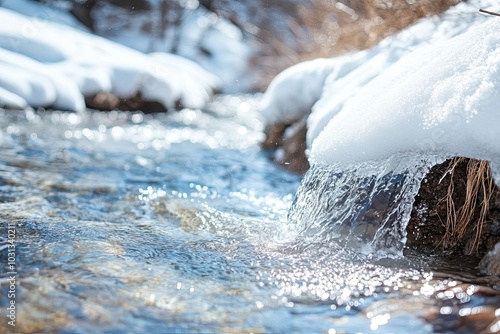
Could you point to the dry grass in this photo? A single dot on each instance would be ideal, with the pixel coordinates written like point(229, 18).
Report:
point(340, 26)
point(470, 216)
point(326, 28)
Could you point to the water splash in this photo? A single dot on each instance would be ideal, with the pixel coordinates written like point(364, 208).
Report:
point(365, 207)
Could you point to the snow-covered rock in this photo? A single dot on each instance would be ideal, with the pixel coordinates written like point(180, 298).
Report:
point(441, 98)
point(51, 64)
point(293, 92)
point(433, 86)
point(11, 100)
point(41, 14)
point(427, 32)
point(200, 35)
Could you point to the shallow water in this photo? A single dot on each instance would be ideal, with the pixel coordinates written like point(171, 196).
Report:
point(177, 223)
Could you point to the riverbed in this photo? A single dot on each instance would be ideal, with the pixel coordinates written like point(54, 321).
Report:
point(177, 223)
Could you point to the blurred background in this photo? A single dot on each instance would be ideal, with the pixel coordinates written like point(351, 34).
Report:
point(250, 39)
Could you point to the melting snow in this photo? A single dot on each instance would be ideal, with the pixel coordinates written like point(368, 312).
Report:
point(46, 64)
point(442, 98)
point(433, 87)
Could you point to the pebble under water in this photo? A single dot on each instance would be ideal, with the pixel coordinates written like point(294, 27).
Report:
point(177, 223)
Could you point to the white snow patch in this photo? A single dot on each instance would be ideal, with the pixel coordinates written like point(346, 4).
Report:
point(442, 98)
point(11, 100)
point(56, 65)
point(432, 88)
point(294, 91)
point(202, 36)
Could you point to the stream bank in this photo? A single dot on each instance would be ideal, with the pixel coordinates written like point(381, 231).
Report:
point(427, 229)
point(178, 222)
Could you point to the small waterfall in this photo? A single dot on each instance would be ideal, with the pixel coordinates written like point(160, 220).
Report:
point(364, 207)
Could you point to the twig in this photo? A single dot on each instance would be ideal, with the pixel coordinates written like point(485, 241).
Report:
point(487, 12)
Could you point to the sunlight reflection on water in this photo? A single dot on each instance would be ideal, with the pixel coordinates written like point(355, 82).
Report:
point(177, 223)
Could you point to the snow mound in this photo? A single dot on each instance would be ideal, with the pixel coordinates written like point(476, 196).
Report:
point(442, 99)
point(194, 83)
point(320, 88)
point(202, 36)
point(41, 13)
point(54, 65)
point(433, 88)
point(294, 91)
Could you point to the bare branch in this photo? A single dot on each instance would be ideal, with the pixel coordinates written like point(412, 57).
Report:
point(488, 12)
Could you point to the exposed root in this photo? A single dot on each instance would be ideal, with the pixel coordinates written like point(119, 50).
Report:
point(466, 219)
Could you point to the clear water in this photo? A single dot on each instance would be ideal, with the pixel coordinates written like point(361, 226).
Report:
point(177, 223)
point(363, 207)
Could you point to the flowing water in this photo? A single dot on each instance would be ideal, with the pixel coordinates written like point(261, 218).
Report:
point(364, 207)
point(177, 223)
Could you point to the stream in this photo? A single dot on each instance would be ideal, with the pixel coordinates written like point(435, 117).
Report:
point(178, 223)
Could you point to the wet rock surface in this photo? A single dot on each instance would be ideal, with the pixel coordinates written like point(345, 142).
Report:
point(490, 263)
point(428, 229)
point(106, 101)
point(289, 144)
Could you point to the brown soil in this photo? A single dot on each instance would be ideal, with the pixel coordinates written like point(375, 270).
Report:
point(429, 229)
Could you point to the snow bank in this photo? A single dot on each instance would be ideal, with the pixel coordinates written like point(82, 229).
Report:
point(432, 88)
point(41, 13)
point(202, 36)
point(49, 64)
point(293, 92)
point(442, 98)
point(195, 83)
point(322, 87)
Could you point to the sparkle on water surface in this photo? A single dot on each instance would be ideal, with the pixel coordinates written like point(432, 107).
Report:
point(177, 222)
